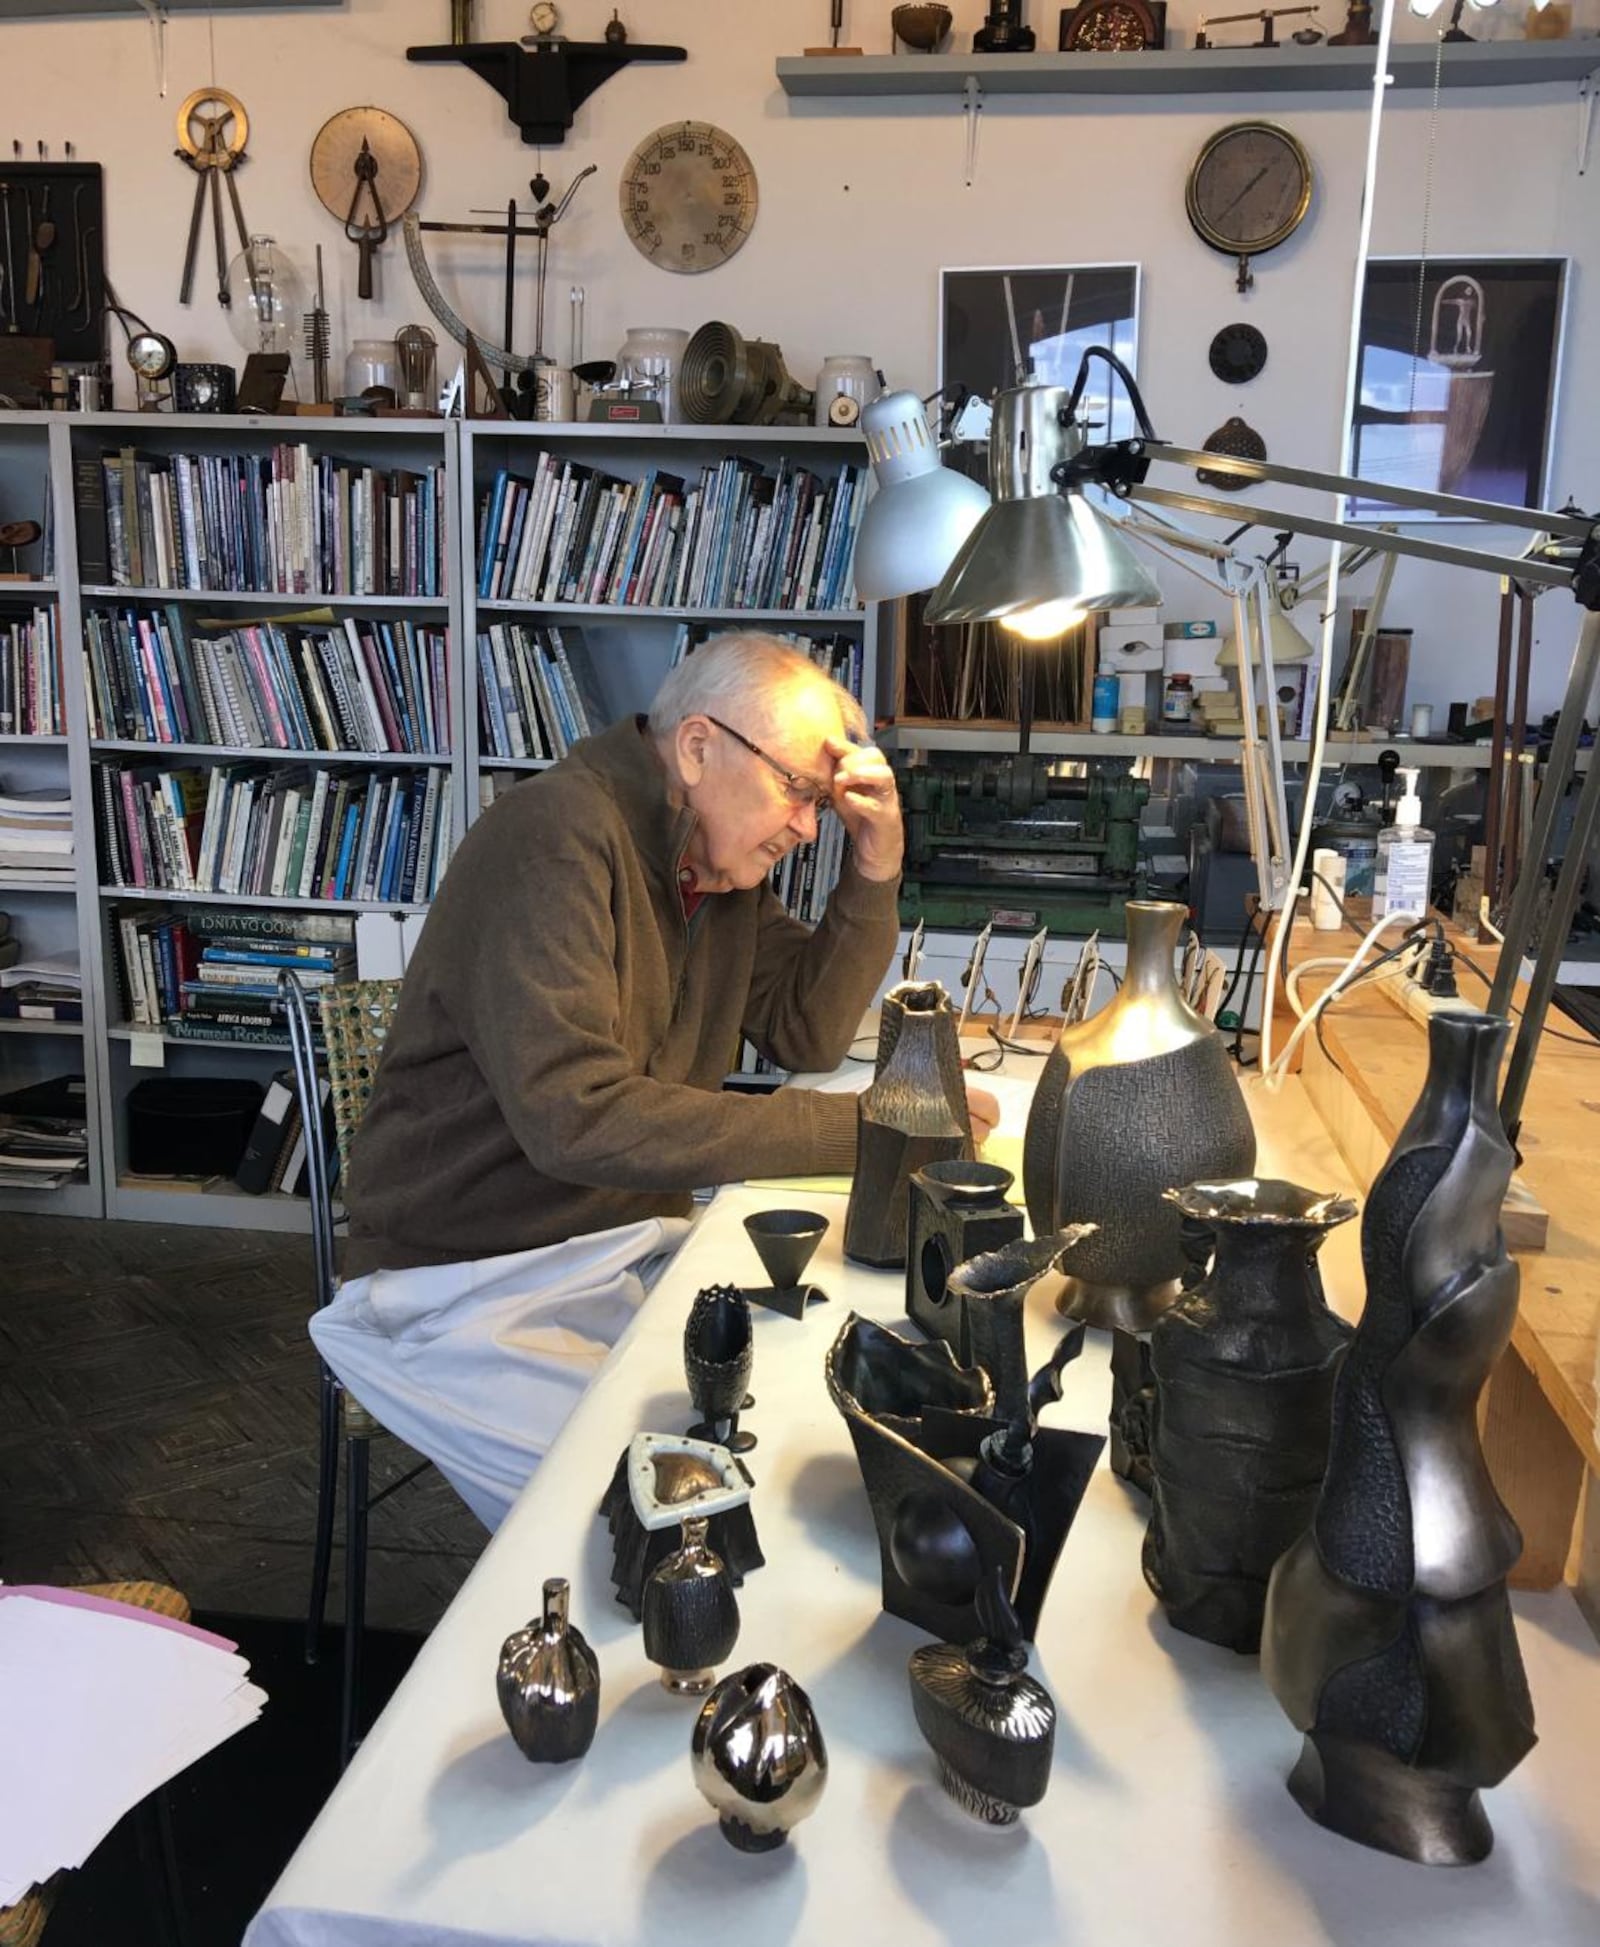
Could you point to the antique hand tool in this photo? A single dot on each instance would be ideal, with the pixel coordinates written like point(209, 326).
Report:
point(366, 169)
point(42, 242)
point(212, 131)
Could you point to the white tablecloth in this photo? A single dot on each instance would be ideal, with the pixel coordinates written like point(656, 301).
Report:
point(1167, 1822)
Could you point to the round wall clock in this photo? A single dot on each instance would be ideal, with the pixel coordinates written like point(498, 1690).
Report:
point(688, 197)
point(1238, 354)
point(1113, 26)
point(1249, 191)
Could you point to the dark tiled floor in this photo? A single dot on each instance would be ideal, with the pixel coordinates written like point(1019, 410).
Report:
point(158, 1418)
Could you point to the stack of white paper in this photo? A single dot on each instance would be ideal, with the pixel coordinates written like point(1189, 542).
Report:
point(99, 1705)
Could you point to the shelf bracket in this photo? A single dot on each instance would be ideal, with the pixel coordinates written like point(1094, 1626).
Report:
point(544, 83)
point(972, 108)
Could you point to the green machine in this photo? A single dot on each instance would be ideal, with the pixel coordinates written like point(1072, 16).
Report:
point(1002, 841)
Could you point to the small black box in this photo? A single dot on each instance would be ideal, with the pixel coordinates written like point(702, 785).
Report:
point(190, 1125)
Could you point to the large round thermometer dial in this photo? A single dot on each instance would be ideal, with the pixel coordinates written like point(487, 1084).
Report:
point(688, 197)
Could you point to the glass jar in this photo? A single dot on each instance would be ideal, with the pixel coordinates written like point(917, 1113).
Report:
point(1177, 701)
point(371, 363)
point(844, 375)
point(649, 361)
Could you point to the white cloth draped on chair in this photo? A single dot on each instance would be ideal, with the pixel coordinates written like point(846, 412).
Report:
point(477, 1364)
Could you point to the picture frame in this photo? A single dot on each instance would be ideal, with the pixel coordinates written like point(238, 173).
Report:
point(995, 319)
point(1459, 374)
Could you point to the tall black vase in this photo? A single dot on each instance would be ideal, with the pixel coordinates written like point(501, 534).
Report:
point(914, 1112)
point(1134, 1101)
point(1389, 1639)
point(1244, 1368)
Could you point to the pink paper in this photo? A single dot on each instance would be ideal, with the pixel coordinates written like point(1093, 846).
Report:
point(80, 1599)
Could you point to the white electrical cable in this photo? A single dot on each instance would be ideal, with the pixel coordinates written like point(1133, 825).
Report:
point(1272, 1073)
point(1277, 946)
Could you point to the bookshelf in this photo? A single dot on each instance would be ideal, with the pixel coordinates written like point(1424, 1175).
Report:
point(685, 550)
point(158, 713)
point(51, 915)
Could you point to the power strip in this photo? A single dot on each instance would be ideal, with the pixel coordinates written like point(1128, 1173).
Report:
point(1409, 994)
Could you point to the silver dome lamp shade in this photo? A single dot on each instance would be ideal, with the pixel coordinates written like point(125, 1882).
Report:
point(921, 511)
point(1041, 558)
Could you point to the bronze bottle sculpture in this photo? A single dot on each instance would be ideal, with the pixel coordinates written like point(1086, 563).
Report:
point(1389, 1639)
point(1134, 1101)
point(915, 1112)
point(1244, 1365)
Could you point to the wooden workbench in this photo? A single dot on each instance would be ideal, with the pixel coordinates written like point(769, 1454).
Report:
point(1540, 1419)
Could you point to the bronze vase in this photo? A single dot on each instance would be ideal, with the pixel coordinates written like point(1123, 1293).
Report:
point(1137, 1100)
point(914, 1113)
point(1244, 1367)
point(1389, 1639)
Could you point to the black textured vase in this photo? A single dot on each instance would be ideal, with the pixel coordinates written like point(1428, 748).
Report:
point(718, 1352)
point(1388, 1638)
point(915, 1112)
point(691, 1615)
point(1244, 1370)
point(957, 1210)
point(1137, 1100)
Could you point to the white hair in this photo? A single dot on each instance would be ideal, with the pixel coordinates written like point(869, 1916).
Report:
point(744, 673)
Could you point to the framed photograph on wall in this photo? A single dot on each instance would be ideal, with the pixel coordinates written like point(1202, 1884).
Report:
point(1460, 364)
point(1004, 326)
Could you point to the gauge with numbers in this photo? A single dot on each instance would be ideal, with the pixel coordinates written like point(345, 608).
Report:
point(688, 197)
point(1249, 191)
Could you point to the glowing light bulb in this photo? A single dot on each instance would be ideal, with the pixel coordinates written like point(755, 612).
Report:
point(1044, 621)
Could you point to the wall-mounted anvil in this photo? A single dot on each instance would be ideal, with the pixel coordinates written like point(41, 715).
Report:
point(546, 81)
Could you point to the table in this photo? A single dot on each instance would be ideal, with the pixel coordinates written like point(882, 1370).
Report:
point(1167, 1819)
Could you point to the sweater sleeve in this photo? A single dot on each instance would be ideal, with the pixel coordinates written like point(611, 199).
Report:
point(541, 1018)
point(811, 986)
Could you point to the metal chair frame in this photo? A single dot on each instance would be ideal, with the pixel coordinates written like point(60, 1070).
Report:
point(339, 1414)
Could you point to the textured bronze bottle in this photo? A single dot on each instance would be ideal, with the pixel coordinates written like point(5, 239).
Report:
point(1139, 1099)
point(915, 1112)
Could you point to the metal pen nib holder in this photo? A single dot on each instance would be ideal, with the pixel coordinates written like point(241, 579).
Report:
point(785, 1241)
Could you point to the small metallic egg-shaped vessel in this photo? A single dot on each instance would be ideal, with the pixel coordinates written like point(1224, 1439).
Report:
point(758, 1756)
point(549, 1684)
point(691, 1615)
point(990, 1726)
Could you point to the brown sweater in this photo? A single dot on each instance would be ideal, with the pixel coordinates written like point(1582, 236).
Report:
point(556, 1061)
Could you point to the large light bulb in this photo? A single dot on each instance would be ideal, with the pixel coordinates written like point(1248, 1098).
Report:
point(269, 298)
point(1044, 622)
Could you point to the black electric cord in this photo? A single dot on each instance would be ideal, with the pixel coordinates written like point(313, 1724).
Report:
point(1576, 1040)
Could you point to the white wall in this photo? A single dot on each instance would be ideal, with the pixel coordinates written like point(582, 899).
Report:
point(861, 203)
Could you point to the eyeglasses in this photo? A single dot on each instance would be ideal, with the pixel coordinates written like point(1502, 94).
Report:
point(797, 787)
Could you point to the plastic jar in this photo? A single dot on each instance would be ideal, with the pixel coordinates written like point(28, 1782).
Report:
point(844, 375)
point(650, 358)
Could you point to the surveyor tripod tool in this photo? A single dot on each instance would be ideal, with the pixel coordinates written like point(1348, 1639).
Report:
point(212, 130)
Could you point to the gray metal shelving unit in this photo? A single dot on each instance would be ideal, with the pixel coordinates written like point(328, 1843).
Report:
point(1188, 71)
point(125, 1052)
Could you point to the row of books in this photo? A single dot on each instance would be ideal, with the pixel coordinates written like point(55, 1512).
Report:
point(739, 537)
point(282, 832)
point(203, 977)
point(36, 831)
point(272, 685)
point(538, 691)
point(31, 703)
point(289, 521)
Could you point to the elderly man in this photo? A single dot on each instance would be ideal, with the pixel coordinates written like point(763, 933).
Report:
point(551, 1091)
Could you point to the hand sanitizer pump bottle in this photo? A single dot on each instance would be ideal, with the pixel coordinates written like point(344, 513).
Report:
point(1405, 858)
